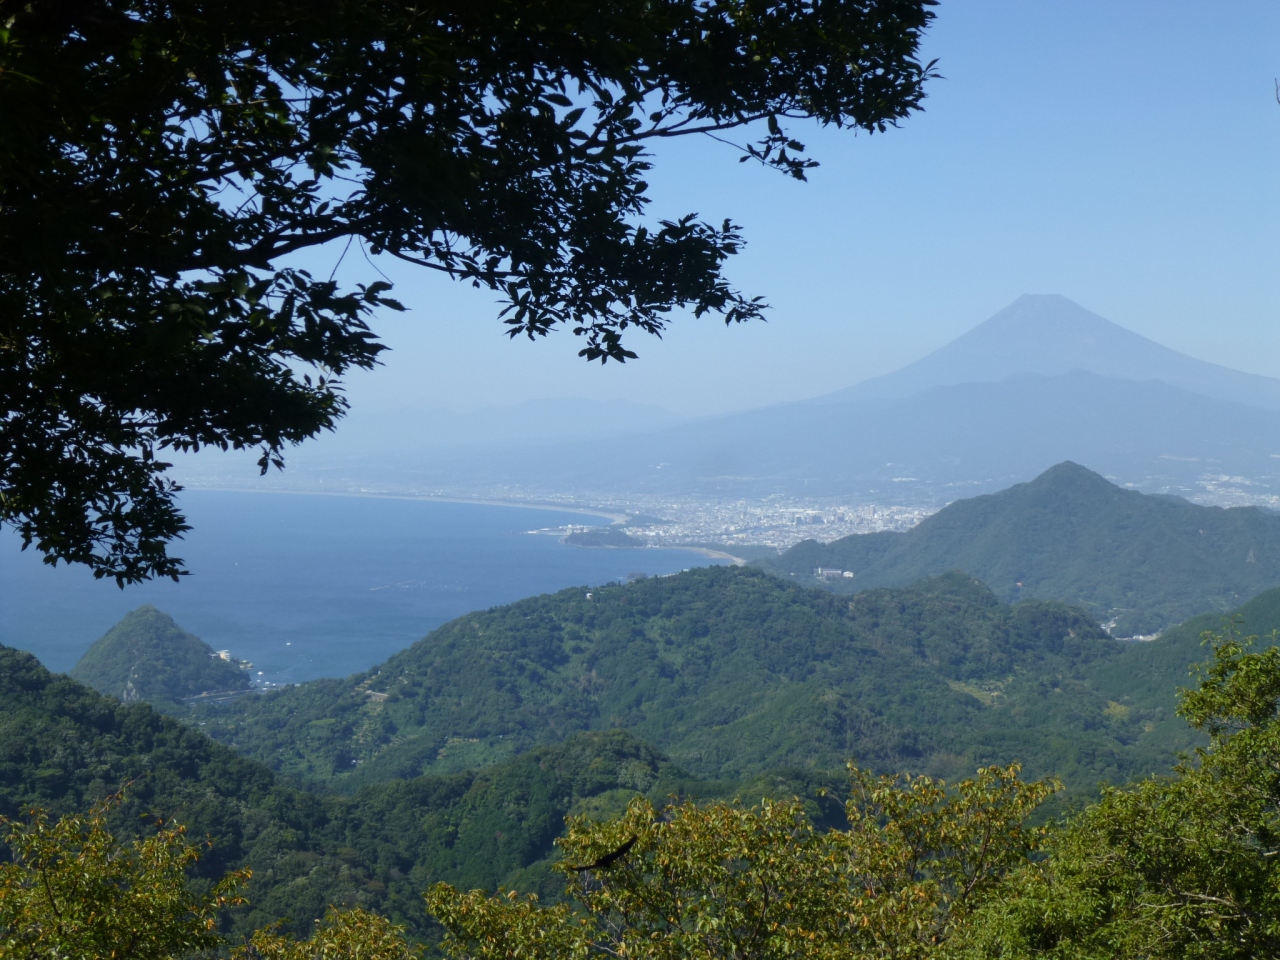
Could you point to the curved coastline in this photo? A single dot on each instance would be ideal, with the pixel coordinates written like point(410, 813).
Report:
point(525, 504)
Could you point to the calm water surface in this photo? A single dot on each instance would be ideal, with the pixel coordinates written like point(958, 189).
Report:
point(311, 586)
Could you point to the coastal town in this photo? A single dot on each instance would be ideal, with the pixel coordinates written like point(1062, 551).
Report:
point(776, 523)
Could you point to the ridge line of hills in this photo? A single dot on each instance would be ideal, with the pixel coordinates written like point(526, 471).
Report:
point(732, 672)
point(729, 671)
point(472, 745)
point(1138, 562)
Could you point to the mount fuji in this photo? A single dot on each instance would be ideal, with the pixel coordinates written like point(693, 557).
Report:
point(1049, 335)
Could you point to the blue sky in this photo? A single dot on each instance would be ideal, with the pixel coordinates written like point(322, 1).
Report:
point(1124, 154)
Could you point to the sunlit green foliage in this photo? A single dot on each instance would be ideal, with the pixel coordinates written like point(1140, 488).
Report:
point(721, 881)
point(1186, 865)
point(342, 935)
point(73, 891)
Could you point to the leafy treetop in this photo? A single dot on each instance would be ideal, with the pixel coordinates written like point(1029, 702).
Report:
point(160, 161)
point(722, 881)
point(73, 890)
point(1184, 866)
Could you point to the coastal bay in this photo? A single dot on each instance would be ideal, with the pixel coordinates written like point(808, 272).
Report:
point(319, 586)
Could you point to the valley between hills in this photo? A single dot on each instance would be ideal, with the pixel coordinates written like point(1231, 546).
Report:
point(459, 758)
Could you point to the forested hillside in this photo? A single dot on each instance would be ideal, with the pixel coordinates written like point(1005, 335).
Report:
point(729, 671)
point(146, 656)
point(64, 746)
point(940, 677)
point(1151, 673)
point(1146, 562)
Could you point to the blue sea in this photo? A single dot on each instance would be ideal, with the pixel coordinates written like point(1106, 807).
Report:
point(317, 586)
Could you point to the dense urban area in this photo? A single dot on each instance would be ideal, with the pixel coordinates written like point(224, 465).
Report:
point(779, 523)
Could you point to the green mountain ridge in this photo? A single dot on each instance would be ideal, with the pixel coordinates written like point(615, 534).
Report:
point(1037, 681)
point(731, 672)
point(64, 746)
point(147, 656)
point(1145, 562)
point(1153, 672)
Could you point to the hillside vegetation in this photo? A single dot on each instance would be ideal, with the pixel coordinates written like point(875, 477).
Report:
point(1146, 562)
point(938, 677)
point(729, 671)
point(63, 747)
point(1151, 673)
point(146, 656)
point(1173, 866)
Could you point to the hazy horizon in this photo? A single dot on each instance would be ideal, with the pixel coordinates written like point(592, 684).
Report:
point(1069, 384)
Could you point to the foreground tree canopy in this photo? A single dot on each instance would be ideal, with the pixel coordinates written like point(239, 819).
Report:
point(161, 159)
point(1186, 866)
point(1171, 867)
point(71, 889)
point(721, 881)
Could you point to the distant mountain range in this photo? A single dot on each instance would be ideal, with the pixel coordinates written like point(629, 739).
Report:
point(934, 446)
point(1042, 381)
point(1146, 562)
